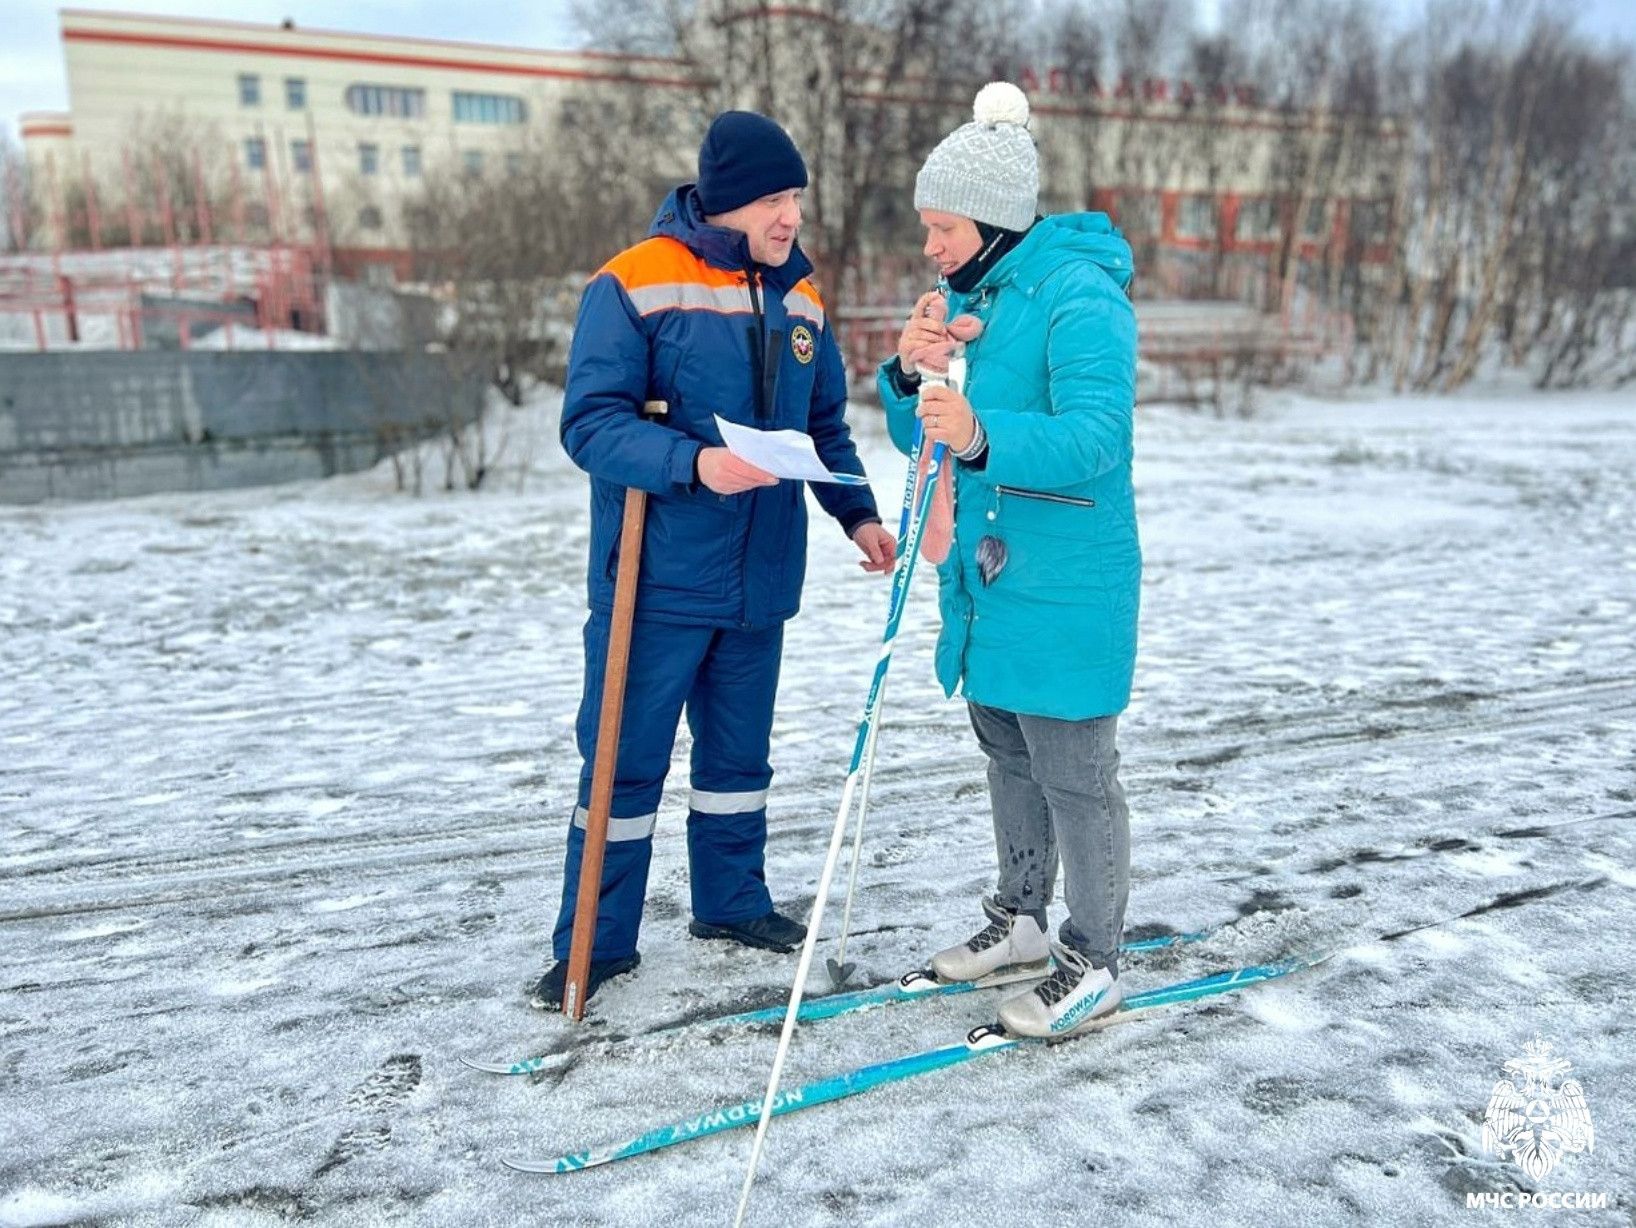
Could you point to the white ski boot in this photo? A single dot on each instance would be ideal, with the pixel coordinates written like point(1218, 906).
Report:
point(1009, 940)
point(1069, 1000)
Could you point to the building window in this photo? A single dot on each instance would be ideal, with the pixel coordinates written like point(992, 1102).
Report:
point(369, 159)
point(295, 93)
point(1370, 221)
point(514, 164)
point(472, 161)
point(255, 153)
point(393, 100)
point(411, 161)
point(301, 156)
point(1138, 215)
point(1196, 217)
point(369, 218)
point(1258, 218)
point(488, 109)
point(1317, 220)
point(249, 90)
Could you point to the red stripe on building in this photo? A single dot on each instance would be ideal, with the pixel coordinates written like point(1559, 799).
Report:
point(317, 32)
point(179, 43)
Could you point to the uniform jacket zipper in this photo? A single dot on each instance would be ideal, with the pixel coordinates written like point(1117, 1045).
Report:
point(763, 357)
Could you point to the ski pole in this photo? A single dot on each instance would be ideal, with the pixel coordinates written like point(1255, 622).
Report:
point(955, 377)
point(605, 759)
point(900, 589)
point(839, 970)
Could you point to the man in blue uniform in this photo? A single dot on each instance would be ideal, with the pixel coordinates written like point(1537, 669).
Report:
point(712, 314)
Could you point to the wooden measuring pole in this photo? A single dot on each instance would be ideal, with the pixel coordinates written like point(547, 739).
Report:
point(605, 760)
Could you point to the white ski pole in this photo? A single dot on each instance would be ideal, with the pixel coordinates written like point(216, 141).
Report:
point(871, 710)
point(839, 970)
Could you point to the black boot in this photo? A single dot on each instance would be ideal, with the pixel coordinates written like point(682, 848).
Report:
point(773, 932)
point(548, 993)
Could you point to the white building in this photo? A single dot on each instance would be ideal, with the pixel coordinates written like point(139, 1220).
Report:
point(314, 135)
point(290, 136)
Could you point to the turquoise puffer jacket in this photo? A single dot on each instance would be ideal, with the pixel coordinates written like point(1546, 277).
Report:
point(1053, 380)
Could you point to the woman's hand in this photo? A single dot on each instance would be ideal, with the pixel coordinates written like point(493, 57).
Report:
point(947, 417)
point(924, 334)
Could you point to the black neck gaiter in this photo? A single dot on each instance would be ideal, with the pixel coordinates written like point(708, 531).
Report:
point(996, 243)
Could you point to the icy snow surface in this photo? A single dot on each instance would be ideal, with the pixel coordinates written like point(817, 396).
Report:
point(284, 777)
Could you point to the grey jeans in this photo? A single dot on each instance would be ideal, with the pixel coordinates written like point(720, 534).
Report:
point(1054, 788)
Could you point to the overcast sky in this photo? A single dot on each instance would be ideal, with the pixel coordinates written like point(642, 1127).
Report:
point(31, 62)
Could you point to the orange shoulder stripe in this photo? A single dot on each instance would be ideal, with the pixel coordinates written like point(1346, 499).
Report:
point(665, 261)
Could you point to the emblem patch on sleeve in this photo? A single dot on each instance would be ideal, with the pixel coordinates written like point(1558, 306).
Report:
point(801, 343)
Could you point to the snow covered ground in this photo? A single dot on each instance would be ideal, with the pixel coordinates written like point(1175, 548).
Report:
point(284, 775)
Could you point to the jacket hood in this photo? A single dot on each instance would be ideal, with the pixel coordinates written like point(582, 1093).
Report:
point(1060, 238)
point(681, 218)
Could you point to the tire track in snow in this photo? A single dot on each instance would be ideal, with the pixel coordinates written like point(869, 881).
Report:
point(239, 879)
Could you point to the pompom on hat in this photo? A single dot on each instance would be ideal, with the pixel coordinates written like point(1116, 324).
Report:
point(987, 170)
point(744, 157)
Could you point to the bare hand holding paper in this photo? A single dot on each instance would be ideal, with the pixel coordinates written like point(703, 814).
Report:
point(785, 454)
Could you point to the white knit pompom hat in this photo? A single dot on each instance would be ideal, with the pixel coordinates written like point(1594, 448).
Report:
point(986, 170)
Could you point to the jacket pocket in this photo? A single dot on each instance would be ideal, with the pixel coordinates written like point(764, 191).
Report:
point(1051, 541)
point(1054, 515)
point(687, 546)
point(1046, 496)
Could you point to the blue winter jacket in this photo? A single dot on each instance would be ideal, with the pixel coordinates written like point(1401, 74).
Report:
point(1052, 378)
point(685, 317)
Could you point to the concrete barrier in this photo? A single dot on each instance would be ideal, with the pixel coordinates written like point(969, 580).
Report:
point(93, 425)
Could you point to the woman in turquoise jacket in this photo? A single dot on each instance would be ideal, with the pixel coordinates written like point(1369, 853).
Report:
point(1039, 590)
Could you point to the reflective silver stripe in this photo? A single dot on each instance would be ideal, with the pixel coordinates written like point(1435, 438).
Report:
point(805, 306)
point(639, 828)
point(689, 296)
point(727, 803)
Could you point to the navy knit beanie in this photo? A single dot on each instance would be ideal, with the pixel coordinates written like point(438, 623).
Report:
point(744, 157)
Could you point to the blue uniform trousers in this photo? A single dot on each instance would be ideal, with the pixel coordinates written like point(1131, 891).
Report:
point(726, 681)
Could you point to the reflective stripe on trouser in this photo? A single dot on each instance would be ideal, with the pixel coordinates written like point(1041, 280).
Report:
point(725, 681)
point(1054, 787)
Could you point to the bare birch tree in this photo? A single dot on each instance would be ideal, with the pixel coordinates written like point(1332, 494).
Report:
point(866, 87)
point(14, 195)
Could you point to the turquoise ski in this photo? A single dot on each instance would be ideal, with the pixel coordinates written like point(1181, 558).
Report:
point(980, 1042)
point(912, 987)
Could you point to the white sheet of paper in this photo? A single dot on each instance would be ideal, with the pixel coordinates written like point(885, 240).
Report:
point(784, 454)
